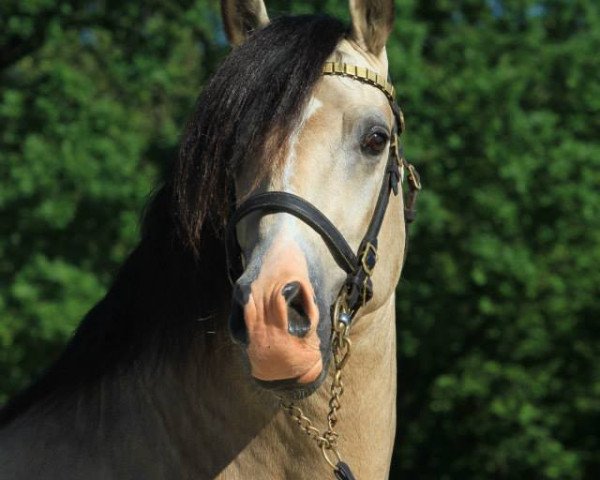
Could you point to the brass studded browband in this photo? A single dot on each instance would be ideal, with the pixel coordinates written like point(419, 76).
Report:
point(362, 74)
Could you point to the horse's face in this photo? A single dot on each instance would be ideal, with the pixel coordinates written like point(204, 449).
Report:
point(335, 159)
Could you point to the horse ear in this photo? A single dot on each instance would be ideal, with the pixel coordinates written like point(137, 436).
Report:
point(372, 23)
point(241, 17)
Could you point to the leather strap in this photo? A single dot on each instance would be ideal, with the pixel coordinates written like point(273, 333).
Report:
point(359, 287)
point(414, 187)
point(359, 267)
point(274, 202)
point(342, 472)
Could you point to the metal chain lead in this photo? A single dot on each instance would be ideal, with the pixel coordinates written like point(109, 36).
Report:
point(340, 346)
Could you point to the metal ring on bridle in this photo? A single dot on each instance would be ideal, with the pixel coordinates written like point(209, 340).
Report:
point(325, 448)
point(340, 308)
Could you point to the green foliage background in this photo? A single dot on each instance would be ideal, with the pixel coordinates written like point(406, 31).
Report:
point(499, 358)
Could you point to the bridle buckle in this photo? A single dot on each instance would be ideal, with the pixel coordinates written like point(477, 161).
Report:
point(413, 177)
point(368, 258)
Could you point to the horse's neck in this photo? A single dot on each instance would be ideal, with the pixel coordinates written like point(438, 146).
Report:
point(367, 419)
point(200, 416)
point(184, 418)
point(229, 428)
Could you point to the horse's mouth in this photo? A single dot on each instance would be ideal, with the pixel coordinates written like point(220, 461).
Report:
point(291, 388)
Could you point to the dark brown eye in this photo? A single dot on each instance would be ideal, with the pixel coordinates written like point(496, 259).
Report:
point(374, 142)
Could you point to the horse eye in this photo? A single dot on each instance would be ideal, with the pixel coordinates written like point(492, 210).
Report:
point(374, 142)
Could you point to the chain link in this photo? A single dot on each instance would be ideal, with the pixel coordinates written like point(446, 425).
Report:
point(340, 346)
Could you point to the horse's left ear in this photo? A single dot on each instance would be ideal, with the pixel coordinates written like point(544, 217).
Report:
point(372, 23)
point(241, 17)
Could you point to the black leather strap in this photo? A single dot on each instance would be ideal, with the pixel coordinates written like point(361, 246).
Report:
point(342, 472)
point(275, 202)
point(358, 285)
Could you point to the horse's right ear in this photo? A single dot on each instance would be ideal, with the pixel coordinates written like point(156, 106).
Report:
point(242, 17)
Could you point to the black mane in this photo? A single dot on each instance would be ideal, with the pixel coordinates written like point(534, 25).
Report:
point(247, 112)
point(176, 276)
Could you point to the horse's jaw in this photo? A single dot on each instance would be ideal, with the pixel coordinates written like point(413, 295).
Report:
point(292, 389)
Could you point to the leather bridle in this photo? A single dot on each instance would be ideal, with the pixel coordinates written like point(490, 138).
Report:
point(358, 287)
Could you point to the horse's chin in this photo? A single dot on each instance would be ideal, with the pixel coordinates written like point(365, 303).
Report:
point(293, 388)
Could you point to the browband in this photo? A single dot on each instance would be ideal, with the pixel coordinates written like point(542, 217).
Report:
point(362, 74)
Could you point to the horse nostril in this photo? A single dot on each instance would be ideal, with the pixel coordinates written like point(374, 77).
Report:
point(237, 324)
point(298, 321)
point(290, 291)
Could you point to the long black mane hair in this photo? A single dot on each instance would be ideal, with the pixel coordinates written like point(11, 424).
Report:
point(176, 279)
point(247, 112)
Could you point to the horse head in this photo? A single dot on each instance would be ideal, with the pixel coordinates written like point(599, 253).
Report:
point(334, 157)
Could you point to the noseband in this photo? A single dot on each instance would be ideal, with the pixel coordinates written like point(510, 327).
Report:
point(358, 286)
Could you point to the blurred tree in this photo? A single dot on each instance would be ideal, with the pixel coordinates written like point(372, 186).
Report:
point(499, 348)
point(498, 307)
point(92, 98)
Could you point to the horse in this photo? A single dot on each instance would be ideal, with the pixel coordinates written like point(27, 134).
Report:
point(210, 355)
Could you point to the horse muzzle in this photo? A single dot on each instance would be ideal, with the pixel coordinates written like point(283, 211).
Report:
point(275, 317)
